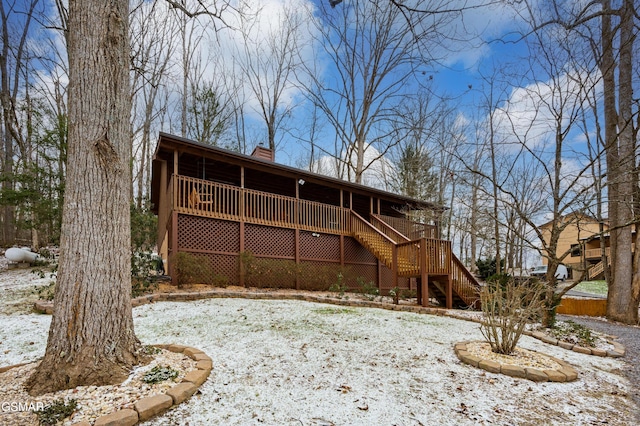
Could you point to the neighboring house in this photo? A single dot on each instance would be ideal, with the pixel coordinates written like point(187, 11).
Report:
point(582, 237)
point(231, 212)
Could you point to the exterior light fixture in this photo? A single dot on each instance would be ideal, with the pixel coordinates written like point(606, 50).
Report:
point(301, 181)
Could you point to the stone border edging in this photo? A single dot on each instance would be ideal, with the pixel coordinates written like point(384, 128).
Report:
point(566, 374)
point(46, 307)
point(619, 350)
point(148, 407)
point(151, 406)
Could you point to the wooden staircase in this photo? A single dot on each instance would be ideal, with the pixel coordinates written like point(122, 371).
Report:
point(597, 269)
point(440, 273)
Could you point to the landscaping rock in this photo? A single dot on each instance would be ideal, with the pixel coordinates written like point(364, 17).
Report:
point(555, 376)
point(582, 350)
point(513, 370)
point(204, 365)
point(124, 417)
point(190, 352)
point(182, 392)
point(565, 345)
point(177, 348)
point(490, 366)
point(149, 407)
point(536, 375)
point(469, 359)
point(197, 377)
point(570, 373)
point(201, 357)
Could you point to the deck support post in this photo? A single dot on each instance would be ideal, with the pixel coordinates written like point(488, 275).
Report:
point(173, 249)
point(424, 290)
point(297, 254)
point(449, 288)
point(241, 264)
point(395, 265)
point(424, 275)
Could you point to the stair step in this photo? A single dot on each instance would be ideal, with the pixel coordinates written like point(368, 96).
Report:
point(382, 249)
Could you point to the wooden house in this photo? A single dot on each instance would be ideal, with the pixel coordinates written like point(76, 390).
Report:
point(581, 238)
point(249, 221)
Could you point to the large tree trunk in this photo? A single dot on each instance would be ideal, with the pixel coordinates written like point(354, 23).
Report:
point(621, 305)
point(91, 339)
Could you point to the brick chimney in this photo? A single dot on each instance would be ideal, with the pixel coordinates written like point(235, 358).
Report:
point(263, 153)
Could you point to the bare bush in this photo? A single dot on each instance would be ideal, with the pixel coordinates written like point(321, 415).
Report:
point(508, 306)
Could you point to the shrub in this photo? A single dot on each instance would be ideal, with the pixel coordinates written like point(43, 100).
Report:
point(408, 293)
point(141, 265)
point(284, 273)
point(143, 241)
point(574, 333)
point(318, 277)
point(56, 411)
point(339, 286)
point(369, 289)
point(507, 308)
point(192, 269)
point(487, 267)
point(395, 294)
point(45, 292)
point(266, 272)
point(159, 374)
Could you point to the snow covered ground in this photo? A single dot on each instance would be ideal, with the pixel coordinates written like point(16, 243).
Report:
point(300, 363)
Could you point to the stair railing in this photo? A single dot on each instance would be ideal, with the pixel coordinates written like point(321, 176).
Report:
point(388, 230)
point(463, 281)
point(375, 240)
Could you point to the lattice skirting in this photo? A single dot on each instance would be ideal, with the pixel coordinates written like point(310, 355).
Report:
point(218, 246)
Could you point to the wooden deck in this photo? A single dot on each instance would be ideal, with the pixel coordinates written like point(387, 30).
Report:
point(418, 254)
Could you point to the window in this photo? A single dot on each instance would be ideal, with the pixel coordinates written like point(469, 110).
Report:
point(576, 250)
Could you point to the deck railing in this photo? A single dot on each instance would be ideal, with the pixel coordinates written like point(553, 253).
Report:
point(217, 200)
point(464, 283)
point(595, 253)
point(387, 230)
point(412, 230)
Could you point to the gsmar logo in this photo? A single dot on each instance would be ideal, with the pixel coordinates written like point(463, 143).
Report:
point(18, 406)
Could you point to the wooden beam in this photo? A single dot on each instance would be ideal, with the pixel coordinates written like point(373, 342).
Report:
point(424, 289)
point(241, 265)
point(173, 249)
point(176, 162)
point(424, 276)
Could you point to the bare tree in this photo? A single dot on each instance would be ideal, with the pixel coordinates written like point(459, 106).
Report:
point(376, 57)
point(420, 119)
point(268, 59)
point(152, 44)
point(533, 131)
point(191, 35)
point(611, 32)
point(16, 18)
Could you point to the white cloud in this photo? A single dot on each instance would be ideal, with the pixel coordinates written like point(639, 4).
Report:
point(531, 113)
point(474, 28)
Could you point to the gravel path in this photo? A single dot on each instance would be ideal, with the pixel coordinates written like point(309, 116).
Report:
point(629, 336)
